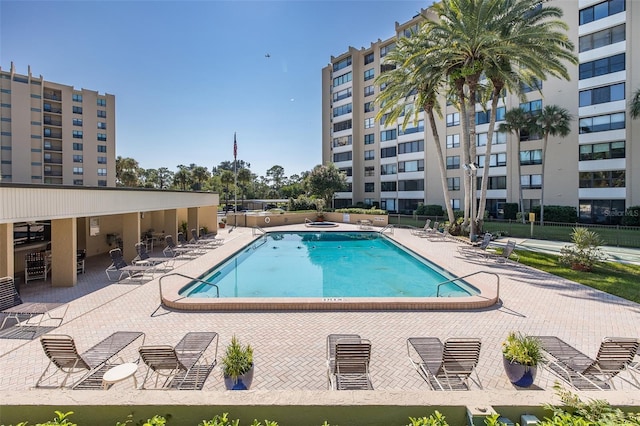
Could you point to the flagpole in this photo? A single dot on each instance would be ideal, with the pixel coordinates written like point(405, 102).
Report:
point(235, 180)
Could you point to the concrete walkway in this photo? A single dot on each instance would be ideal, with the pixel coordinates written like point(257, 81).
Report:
point(290, 349)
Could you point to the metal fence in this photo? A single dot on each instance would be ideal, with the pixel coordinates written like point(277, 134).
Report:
point(613, 235)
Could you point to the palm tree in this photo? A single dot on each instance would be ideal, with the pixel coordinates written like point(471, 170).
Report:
point(199, 174)
point(417, 81)
point(515, 120)
point(635, 105)
point(182, 178)
point(552, 121)
point(506, 40)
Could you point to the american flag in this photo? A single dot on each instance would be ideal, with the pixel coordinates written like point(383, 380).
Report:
point(235, 147)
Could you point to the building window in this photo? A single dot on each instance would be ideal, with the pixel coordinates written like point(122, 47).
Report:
point(369, 187)
point(388, 135)
point(78, 170)
point(102, 114)
point(495, 160)
point(528, 158)
point(601, 10)
point(344, 78)
point(483, 117)
point(388, 186)
point(342, 64)
point(348, 171)
point(77, 158)
point(602, 38)
point(102, 148)
point(369, 107)
point(102, 102)
point(102, 160)
point(343, 125)
point(388, 152)
point(369, 74)
point(453, 141)
point(455, 203)
point(77, 122)
point(369, 123)
point(453, 119)
point(78, 182)
point(602, 211)
point(369, 139)
point(369, 154)
point(75, 109)
point(414, 146)
point(531, 181)
point(102, 182)
point(76, 97)
point(368, 58)
point(386, 49)
point(77, 134)
point(602, 66)
point(536, 85)
point(341, 110)
point(453, 162)
point(601, 95)
point(342, 141)
point(602, 123)
point(533, 107)
point(342, 156)
point(388, 169)
point(411, 185)
point(102, 125)
point(603, 179)
point(526, 135)
point(411, 166)
point(602, 151)
point(453, 184)
point(342, 94)
point(415, 129)
point(369, 171)
point(102, 172)
point(495, 182)
point(77, 146)
point(369, 90)
point(102, 137)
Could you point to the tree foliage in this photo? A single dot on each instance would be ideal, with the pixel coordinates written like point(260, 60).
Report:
point(324, 181)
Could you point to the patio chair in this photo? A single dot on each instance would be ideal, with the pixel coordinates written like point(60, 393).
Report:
point(12, 307)
point(92, 364)
point(480, 250)
point(143, 258)
point(182, 242)
point(348, 358)
point(81, 256)
point(183, 366)
point(445, 367)
point(424, 230)
point(173, 250)
point(507, 254)
point(580, 371)
point(212, 241)
point(120, 267)
point(36, 266)
point(436, 235)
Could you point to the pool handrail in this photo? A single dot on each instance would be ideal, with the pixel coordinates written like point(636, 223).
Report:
point(468, 275)
point(257, 229)
point(186, 276)
point(388, 226)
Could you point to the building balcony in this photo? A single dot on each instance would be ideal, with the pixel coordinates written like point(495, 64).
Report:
point(53, 160)
point(53, 96)
point(53, 148)
point(52, 121)
point(53, 173)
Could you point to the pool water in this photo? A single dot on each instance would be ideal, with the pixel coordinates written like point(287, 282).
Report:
point(326, 265)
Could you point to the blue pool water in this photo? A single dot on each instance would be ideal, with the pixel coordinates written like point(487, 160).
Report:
point(326, 265)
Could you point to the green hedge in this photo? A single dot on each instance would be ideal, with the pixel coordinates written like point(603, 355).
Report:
point(362, 211)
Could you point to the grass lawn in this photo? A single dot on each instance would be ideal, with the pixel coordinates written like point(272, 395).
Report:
point(615, 278)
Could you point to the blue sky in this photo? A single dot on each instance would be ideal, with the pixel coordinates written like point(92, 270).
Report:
point(188, 74)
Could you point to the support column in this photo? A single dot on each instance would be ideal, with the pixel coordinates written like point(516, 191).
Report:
point(193, 220)
point(64, 236)
point(130, 235)
point(171, 223)
point(209, 218)
point(6, 250)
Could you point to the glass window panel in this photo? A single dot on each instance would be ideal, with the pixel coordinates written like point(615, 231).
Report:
point(617, 63)
point(617, 121)
point(585, 98)
point(618, 33)
point(600, 11)
point(586, 15)
point(616, 6)
point(617, 92)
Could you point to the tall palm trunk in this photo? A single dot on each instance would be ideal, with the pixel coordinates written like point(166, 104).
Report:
point(544, 155)
point(520, 194)
point(443, 168)
point(464, 123)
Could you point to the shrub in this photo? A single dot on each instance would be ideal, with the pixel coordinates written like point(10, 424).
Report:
point(430, 210)
point(362, 211)
point(562, 214)
point(584, 252)
point(303, 202)
point(511, 210)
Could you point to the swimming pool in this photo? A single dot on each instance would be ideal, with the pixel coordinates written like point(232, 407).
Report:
point(326, 265)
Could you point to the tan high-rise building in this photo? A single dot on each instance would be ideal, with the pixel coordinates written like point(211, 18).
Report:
point(52, 133)
point(594, 169)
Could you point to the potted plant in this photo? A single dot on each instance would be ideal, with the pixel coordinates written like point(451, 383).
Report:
point(237, 365)
point(521, 355)
point(222, 223)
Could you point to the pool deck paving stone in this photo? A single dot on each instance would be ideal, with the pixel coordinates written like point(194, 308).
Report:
point(289, 347)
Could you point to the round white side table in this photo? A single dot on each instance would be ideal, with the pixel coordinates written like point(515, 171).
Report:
point(119, 373)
